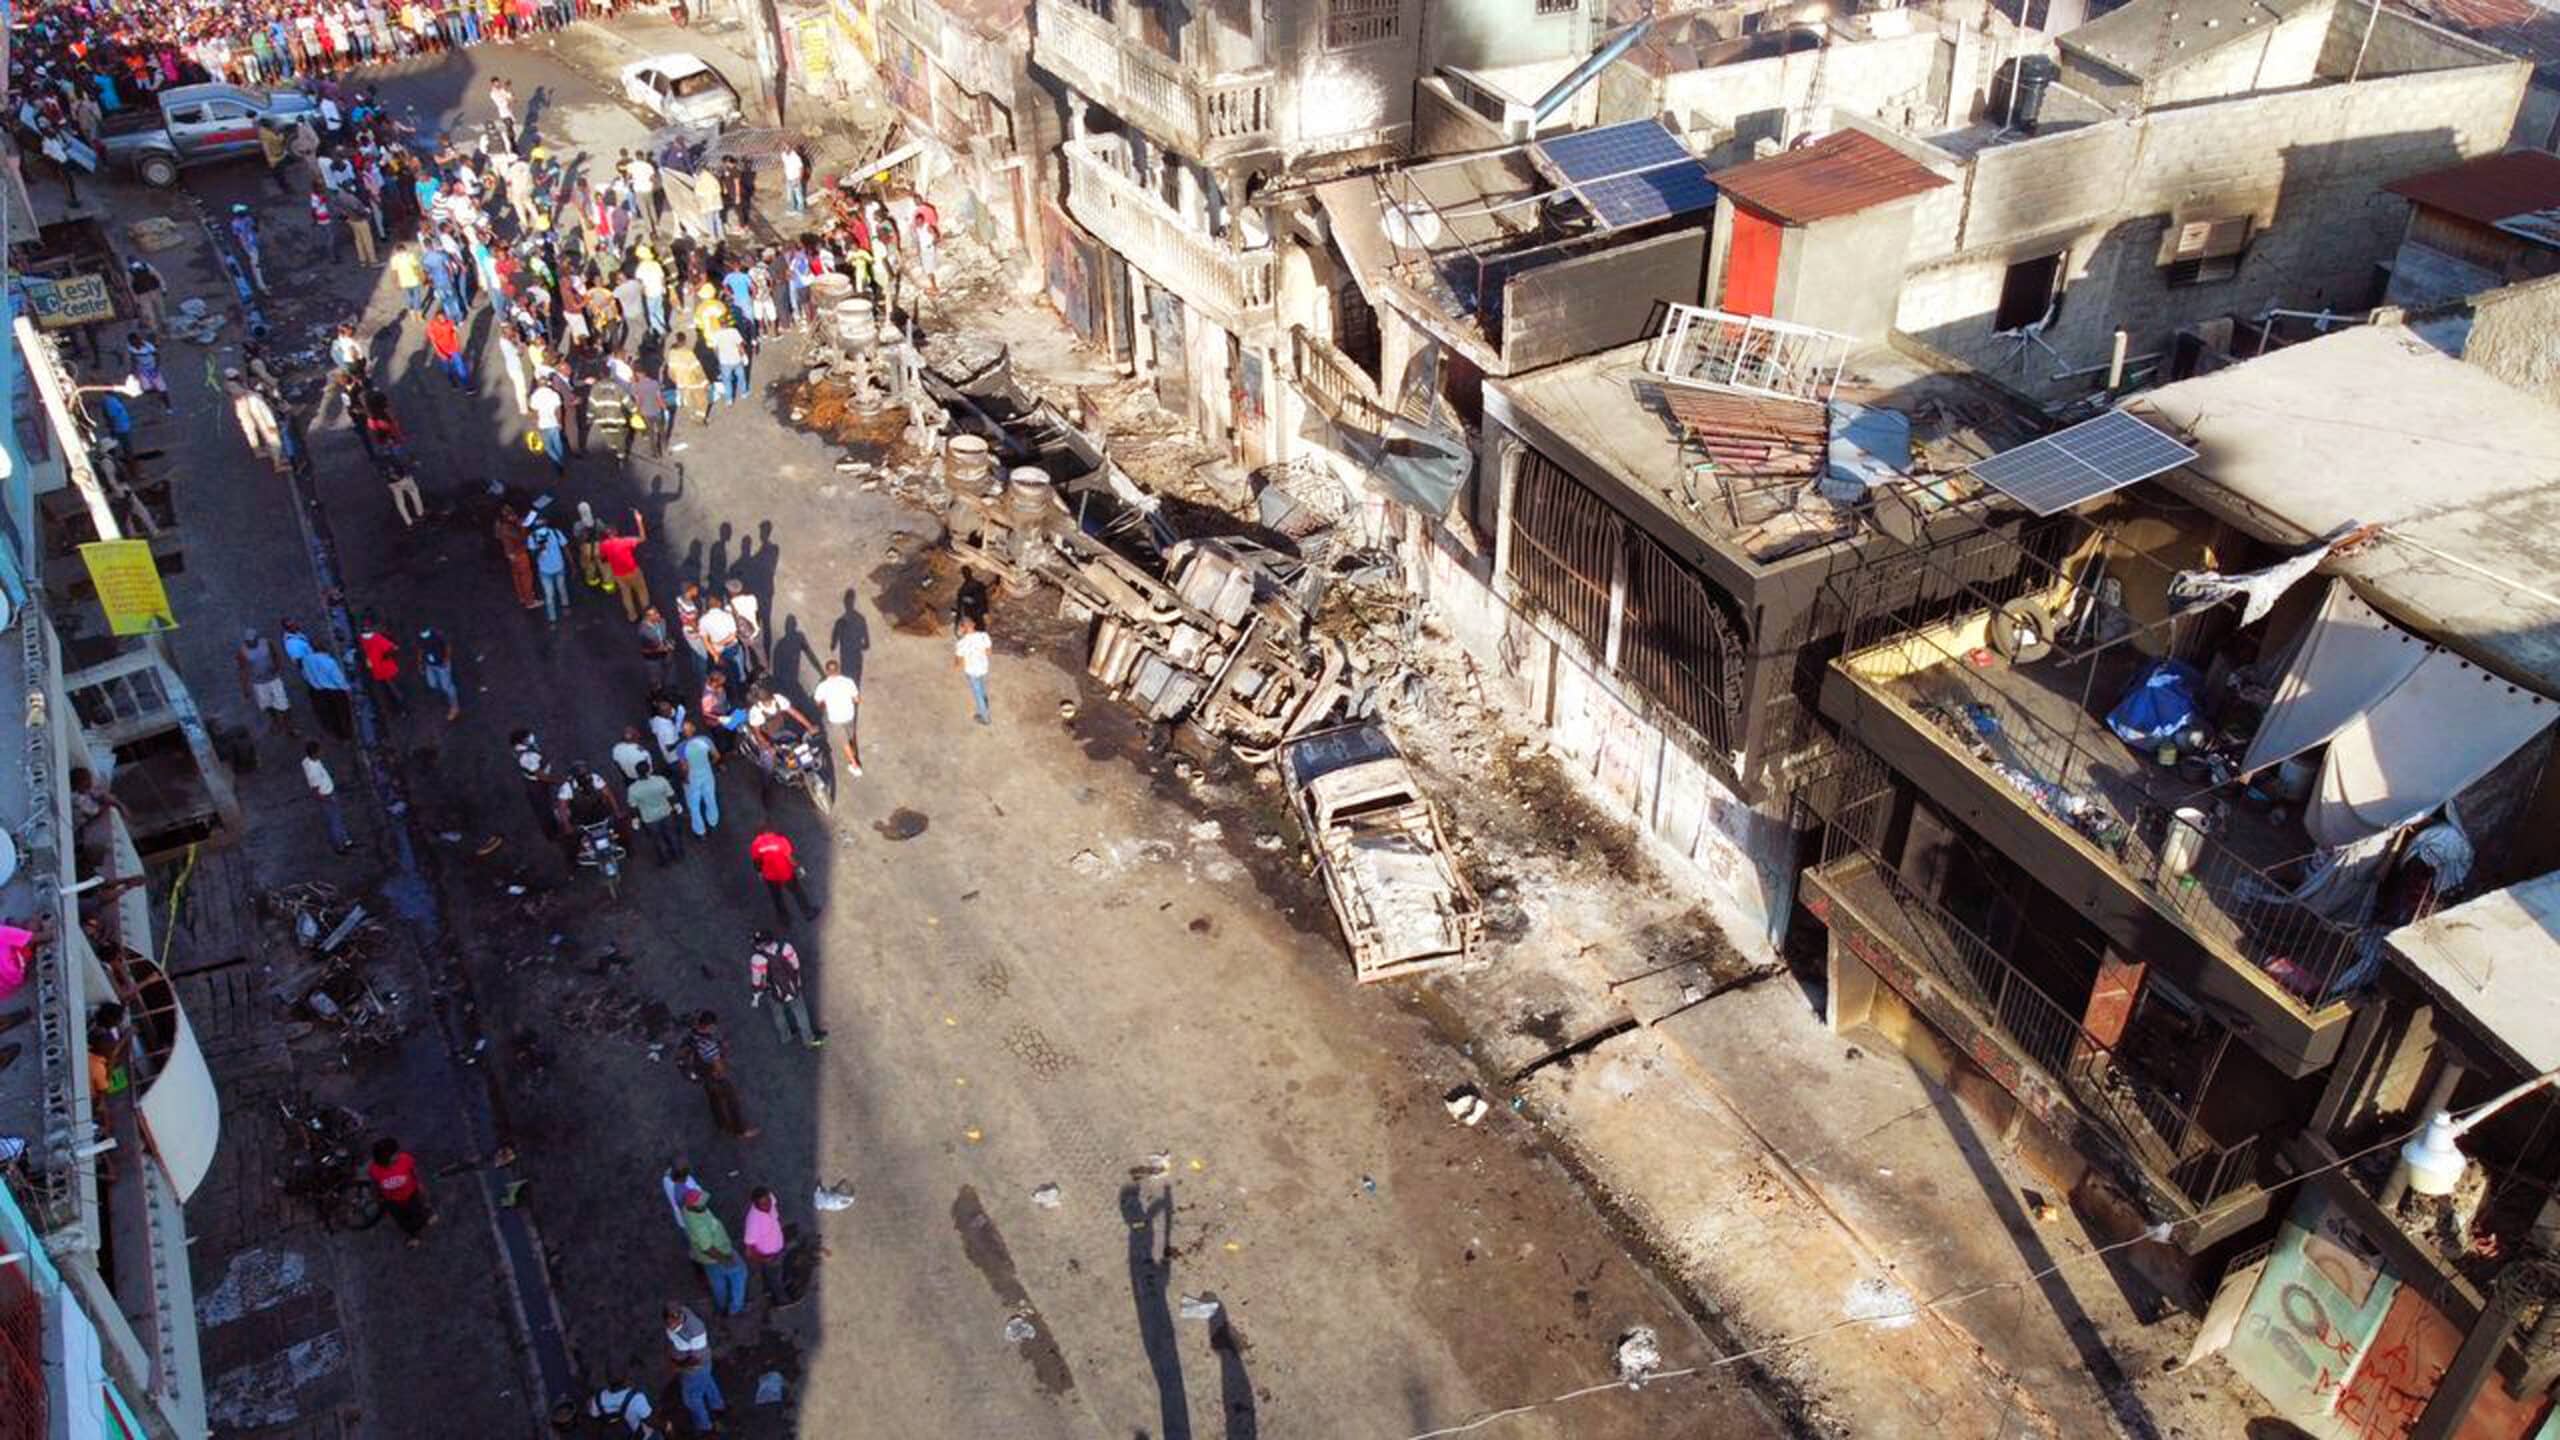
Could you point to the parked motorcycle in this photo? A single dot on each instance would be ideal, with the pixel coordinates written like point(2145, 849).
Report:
point(601, 849)
point(323, 1168)
point(799, 761)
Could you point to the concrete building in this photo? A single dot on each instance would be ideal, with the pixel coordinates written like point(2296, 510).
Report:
point(960, 74)
point(2116, 857)
point(2477, 226)
point(97, 1311)
point(2177, 168)
point(2526, 29)
point(1175, 120)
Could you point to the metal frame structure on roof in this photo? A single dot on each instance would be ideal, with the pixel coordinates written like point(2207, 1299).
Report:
point(1751, 353)
point(2098, 456)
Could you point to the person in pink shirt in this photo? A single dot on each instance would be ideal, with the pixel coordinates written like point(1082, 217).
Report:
point(766, 1247)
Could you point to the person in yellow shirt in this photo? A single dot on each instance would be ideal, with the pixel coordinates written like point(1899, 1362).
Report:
point(692, 382)
point(410, 274)
point(710, 312)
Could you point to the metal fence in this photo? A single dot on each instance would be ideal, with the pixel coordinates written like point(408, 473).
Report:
point(2157, 1127)
point(1565, 543)
point(1681, 646)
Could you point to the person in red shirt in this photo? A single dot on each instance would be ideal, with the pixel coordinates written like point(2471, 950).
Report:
point(622, 561)
point(779, 865)
point(404, 1194)
point(446, 341)
point(382, 662)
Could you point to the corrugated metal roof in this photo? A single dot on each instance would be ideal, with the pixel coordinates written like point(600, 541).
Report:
point(1842, 173)
point(2522, 28)
point(2489, 189)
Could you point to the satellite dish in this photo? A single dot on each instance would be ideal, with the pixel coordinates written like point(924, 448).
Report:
point(1413, 226)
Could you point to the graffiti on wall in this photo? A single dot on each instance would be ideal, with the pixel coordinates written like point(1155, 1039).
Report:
point(2347, 1352)
point(2317, 1308)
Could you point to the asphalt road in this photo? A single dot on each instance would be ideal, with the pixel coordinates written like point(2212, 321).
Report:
point(1045, 959)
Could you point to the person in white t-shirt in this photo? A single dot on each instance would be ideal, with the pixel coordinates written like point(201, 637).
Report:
point(970, 653)
point(718, 630)
point(546, 422)
point(839, 702)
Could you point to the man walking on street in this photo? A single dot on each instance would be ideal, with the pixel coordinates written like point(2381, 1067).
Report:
point(404, 1195)
point(774, 981)
point(701, 780)
point(653, 800)
point(324, 790)
point(262, 682)
point(970, 653)
point(435, 663)
point(717, 1254)
point(839, 706)
point(620, 1401)
point(689, 1354)
point(382, 663)
point(703, 1057)
point(550, 551)
point(621, 555)
point(332, 698)
point(779, 866)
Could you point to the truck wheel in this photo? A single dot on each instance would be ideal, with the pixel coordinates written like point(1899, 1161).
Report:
point(159, 171)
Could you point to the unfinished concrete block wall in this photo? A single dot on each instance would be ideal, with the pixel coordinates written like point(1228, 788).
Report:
point(2399, 44)
point(1768, 98)
point(1329, 95)
point(1483, 36)
point(2515, 335)
point(2307, 164)
point(2275, 56)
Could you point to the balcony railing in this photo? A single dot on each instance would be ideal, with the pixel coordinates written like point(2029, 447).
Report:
point(1203, 117)
point(2158, 1128)
point(1332, 383)
point(1231, 287)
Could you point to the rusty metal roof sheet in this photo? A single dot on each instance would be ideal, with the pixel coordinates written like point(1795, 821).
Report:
point(2489, 189)
point(2525, 29)
point(1842, 173)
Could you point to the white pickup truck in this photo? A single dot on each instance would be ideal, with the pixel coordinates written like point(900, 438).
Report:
point(1378, 844)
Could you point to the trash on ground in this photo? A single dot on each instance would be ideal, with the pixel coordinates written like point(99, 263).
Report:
point(838, 1196)
point(1467, 1105)
point(1018, 1328)
point(1639, 1356)
point(1047, 1197)
point(1086, 863)
point(769, 1388)
point(1200, 1307)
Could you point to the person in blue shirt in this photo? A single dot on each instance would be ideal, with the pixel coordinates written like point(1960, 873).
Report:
point(742, 294)
point(332, 699)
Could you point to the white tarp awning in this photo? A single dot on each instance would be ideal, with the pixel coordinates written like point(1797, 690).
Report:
point(2349, 658)
point(2446, 724)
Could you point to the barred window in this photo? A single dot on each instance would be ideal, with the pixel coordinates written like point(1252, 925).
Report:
point(1564, 542)
point(1361, 22)
point(1558, 7)
point(1682, 644)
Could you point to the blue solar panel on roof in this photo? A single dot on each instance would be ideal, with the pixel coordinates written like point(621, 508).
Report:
point(1623, 200)
point(2088, 460)
point(1612, 150)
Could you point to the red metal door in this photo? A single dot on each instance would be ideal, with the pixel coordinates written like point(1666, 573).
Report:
point(1751, 263)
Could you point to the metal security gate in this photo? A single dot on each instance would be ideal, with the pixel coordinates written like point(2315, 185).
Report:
point(1565, 543)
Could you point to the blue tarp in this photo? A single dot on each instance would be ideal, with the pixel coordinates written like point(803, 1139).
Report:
point(2161, 706)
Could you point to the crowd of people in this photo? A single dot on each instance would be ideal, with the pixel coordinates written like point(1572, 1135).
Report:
point(619, 299)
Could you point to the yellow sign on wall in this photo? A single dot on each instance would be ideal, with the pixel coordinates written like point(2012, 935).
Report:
point(129, 588)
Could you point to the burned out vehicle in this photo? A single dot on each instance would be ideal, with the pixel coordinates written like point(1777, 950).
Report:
point(1386, 863)
point(1209, 638)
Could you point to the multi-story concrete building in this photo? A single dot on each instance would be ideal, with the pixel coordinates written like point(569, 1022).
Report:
point(2171, 167)
point(107, 1124)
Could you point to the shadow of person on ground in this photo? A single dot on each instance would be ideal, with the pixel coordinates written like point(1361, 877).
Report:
point(1150, 1223)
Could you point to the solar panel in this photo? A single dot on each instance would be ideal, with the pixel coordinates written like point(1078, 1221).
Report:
point(1675, 189)
point(2090, 459)
point(1612, 150)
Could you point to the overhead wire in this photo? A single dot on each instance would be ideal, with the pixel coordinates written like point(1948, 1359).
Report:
point(1952, 1295)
